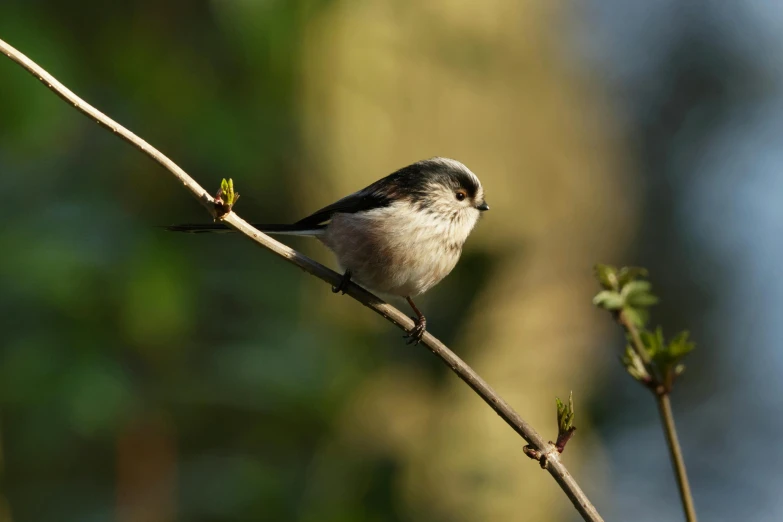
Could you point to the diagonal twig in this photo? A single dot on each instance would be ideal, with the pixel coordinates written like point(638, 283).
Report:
point(550, 456)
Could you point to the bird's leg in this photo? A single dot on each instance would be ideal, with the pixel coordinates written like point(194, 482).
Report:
point(420, 326)
point(343, 283)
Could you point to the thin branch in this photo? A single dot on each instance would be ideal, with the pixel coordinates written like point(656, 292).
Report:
point(550, 458)
point(636, 340)
point(667, 419)
point(678, 463)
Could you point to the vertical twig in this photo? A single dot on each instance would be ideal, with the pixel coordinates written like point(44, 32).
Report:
point(636, 340)
point(678, 463)
point(667, 418)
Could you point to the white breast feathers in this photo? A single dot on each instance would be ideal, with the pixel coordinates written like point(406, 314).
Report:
point(400, 249)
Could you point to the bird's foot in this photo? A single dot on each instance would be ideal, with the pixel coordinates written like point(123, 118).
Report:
point(417, 332)
point(343, 284)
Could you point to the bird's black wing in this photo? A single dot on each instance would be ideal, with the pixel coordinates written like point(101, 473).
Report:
point(365, 199)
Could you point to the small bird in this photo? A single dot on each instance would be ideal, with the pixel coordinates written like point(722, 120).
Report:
point(399, 236)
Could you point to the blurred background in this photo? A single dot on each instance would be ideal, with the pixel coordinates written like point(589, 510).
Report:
point(147, 376)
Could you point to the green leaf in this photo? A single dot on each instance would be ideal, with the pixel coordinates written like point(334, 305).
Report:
point(631, 273)
point(680, 346)
point(227, 195)
point(642, 300)
point(666, 358)
point(654, 342)
point(637, 316)
point(565, 414)
point(635, 287)
point(634, 366)
point(607, 276)
point(637, 294)
point(608, 300)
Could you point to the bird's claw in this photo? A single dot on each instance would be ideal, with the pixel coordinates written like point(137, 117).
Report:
point(343, 284)
point(416, 333)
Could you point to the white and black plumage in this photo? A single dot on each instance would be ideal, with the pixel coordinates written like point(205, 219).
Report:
point(401, 235)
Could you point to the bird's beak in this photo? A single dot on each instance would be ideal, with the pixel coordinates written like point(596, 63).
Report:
point(483, 206)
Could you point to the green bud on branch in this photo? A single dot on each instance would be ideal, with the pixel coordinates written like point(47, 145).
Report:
point(226, 198)
point(635, 366)
point(565, 422)
point(648, 358)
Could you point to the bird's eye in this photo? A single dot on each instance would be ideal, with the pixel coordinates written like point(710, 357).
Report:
point(460, 195)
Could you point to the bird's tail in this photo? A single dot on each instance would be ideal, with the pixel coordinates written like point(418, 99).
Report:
point(290, 230)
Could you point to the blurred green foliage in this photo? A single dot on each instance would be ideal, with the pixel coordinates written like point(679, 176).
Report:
point(110, 324)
